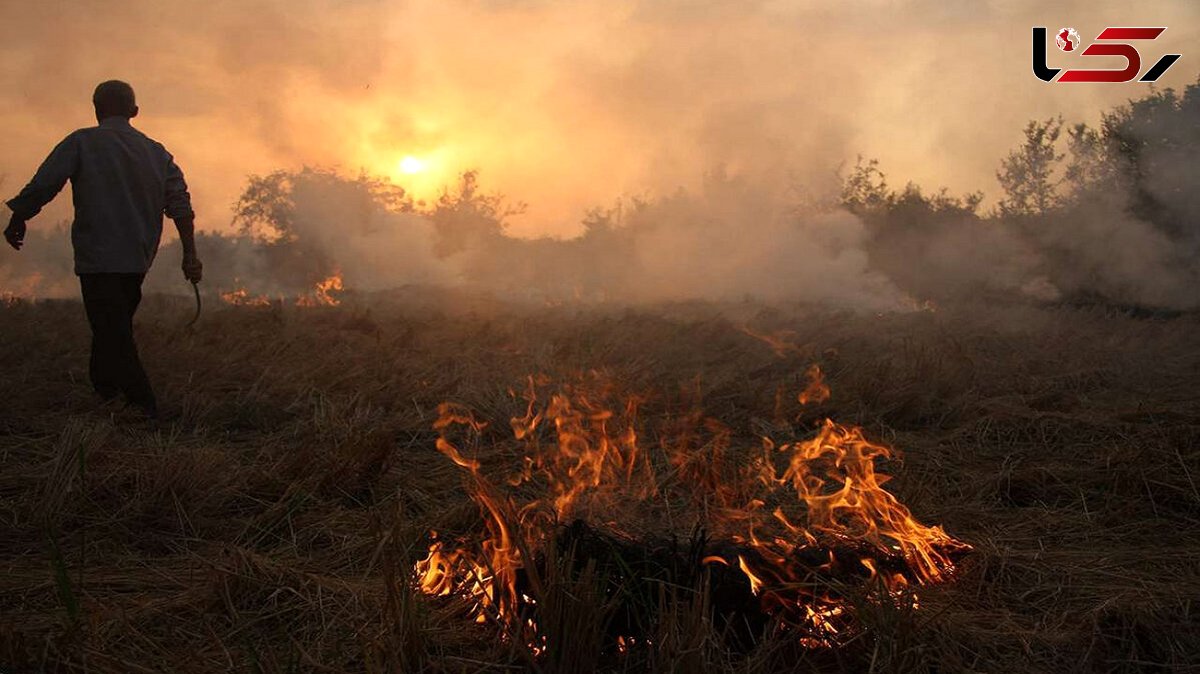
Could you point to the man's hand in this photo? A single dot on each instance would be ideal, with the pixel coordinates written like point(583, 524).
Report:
point(192, 269)
point(14, 234)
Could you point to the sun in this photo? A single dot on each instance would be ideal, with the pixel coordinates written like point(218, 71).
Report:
point(411, 165)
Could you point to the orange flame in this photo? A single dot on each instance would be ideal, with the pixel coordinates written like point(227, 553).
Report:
point(321, 295)
point(817, 390)
point(580, 456)
point(25, 291)
point(242, 298)
point(780, 342)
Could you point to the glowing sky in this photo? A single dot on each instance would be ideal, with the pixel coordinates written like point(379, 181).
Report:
point(562, 105)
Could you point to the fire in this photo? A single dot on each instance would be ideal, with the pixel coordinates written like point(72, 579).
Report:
point(817, 390)
point(756, 583)
point(242, 298)
point(785, 516)
point(25, 290)
point(779, 342)
point(320, 295)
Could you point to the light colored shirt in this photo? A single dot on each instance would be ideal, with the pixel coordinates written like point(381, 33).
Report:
point(122, 181)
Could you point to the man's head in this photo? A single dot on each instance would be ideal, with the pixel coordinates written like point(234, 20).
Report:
point(114, 98)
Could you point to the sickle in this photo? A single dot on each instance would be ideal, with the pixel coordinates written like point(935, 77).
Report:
point(196, 291)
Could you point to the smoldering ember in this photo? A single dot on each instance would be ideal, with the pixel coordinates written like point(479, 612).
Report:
point(628, 336)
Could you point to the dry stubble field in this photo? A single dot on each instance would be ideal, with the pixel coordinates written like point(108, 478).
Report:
point(272, 524)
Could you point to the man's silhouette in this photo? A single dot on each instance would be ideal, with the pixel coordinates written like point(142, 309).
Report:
point(122, 182)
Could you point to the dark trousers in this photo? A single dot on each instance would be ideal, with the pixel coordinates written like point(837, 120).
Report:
point(110, 301)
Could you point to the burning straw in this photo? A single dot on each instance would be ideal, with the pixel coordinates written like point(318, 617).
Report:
point(782, 532)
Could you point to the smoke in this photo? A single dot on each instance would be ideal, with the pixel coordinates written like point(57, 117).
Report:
point(562, 105)
point(570, 106)
point(730, 240)
point(736, 239)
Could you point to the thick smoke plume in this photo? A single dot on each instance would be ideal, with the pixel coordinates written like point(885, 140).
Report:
point(670, 149)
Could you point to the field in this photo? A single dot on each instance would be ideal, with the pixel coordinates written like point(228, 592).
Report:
point(272, 522)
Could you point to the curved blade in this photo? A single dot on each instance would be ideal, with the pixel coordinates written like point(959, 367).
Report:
point(196, 291)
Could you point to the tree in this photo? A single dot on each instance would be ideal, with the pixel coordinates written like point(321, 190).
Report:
point(1152, 143)
point(267, 209)
point(1028, 174)
point(865, 189)
point(467, 217)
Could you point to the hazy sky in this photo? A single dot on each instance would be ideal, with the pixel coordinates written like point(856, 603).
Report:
point(563, 105)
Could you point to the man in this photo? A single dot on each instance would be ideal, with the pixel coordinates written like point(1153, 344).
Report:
point(122, 182)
